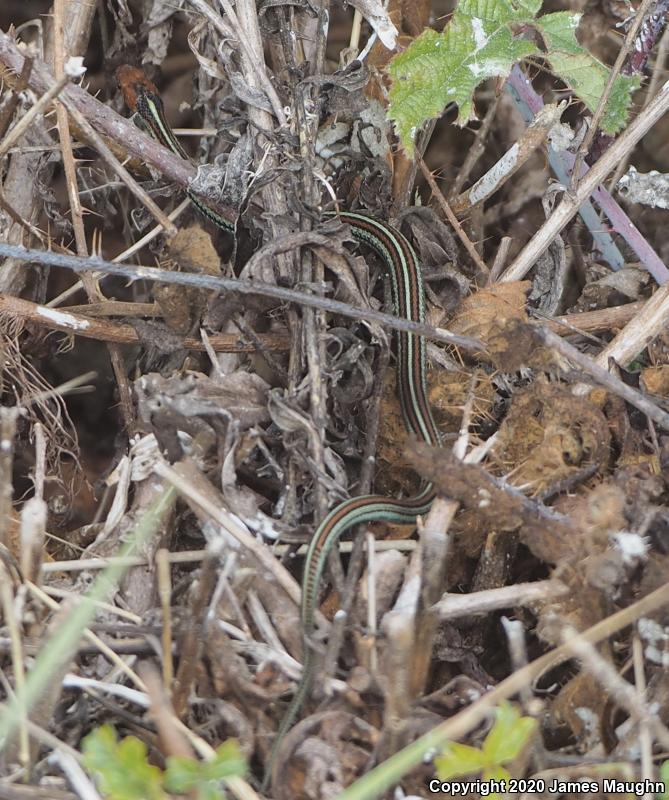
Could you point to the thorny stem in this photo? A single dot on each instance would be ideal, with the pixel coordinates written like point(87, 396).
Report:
point(653, 88)
point(450, 216)
point(585, 145)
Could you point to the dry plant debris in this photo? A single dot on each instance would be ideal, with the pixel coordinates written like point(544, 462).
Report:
point(181, 406)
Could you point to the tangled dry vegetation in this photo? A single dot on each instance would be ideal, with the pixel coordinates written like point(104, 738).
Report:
point(217, 428)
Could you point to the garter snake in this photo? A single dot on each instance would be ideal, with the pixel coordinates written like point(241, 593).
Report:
point(403, 267)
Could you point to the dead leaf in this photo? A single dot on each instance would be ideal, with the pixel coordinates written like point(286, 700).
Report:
point(549, 434)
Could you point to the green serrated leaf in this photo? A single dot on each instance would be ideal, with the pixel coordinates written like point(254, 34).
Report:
point(459, 759)
point(185, 774)
point(437, 69)
point(182, 774)
point(508, 735)
point(227, 762)
point(582, 72)
point(210, 791)
point(121, 768)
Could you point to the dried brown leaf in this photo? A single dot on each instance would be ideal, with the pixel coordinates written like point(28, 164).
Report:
point(549, 434)
point(478, 313)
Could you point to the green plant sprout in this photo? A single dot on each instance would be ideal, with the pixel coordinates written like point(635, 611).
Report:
point(505, 742)
point(123, 771)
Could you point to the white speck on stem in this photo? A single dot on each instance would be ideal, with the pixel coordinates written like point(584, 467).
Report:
point(74, 67)
point(61, 318)
point(506, 163)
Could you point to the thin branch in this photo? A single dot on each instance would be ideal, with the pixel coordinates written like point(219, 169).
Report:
point(92, 328)
point(96, 141)
point(194, 556)
point(623, 693)
point(248, 286)
point(603, 377)
point(450, 216)
point(474, 152)
point(645, 738)
point(116, 128)
point(639, 332)
point(31, 114)
point(228, 522)
point(603, 319)
point(457, 606)
point(562, 165)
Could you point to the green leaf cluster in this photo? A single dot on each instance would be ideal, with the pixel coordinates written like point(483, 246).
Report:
point(123, 771)
point(484, 39)
point(503, 744)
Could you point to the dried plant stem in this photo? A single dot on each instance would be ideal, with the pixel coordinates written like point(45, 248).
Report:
point(562, 164)
point(92, 638)
point(590, 181)
point(90, 283)
point(8, 417)
point(640, 330)
point(474, 152)
point(165, 594)
point(100, 116)
point(450, 216)
point(645, 736)
point(231, 526)
point(435, 544)
point(604, 378)
point(654, 85)
point(200, 281)
point(126, 254)
point(107, 155)
point(28, 118)
point(106, 331)
point(604, 319)
point(191, 642)
point(44, 737)
point(18, 664)
point(66, 149)
point(533, 137)
point(500, 259)
point(193, 556)
point(597, 117)
point(258, 66)
point(456, 606)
